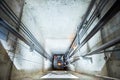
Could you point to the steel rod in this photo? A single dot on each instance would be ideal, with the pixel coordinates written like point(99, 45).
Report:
point(111, 12)
point(83, 21)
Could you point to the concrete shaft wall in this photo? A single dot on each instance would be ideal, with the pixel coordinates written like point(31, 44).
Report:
point(9, 41)
point(18, 62)
point(104, 63)
point(5, 64)
point(25, 63)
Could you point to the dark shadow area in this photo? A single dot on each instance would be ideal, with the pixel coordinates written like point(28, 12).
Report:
point(59, 63)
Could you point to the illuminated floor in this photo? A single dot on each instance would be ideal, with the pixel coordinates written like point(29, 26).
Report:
point(67, 75)
point(59, 74)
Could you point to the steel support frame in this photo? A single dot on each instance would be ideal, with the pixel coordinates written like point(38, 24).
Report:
point(27, 41)
point(111, 12)
point(8, 11)
point(114, 50)
point(83, 21)
point(105, 46)
point(92, 18)
point(30, 38)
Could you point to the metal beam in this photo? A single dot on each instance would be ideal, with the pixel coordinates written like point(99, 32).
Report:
point(107, 51)
point(111, 12)
point(8, 11)
point(104, 46)
point(83, 21)
point(27, 41)
point(94, 15)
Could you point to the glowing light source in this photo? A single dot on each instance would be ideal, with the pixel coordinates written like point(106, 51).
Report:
point(59, 64)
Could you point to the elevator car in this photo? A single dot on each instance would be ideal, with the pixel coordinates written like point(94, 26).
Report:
point(58, 62)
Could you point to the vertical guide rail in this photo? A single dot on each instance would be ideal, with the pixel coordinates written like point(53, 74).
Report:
point(111, 12)
point(83, 21)
point(30, 40)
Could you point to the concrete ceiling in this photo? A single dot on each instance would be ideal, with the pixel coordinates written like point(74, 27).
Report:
point(57, 20)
